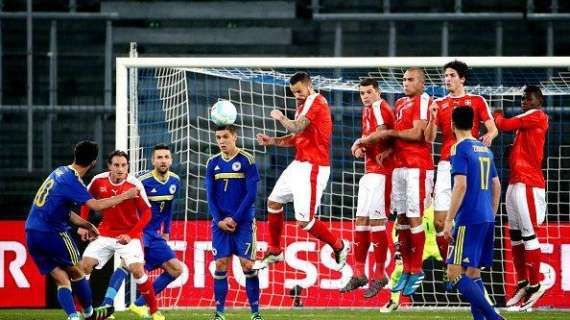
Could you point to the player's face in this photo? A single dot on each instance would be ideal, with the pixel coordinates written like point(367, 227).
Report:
point(413, 83)
point(301, 91)
point(162, 160)
point(452, 80)
point(369, 95)
point(119, 168)
point(530, 101)
point(226, 141)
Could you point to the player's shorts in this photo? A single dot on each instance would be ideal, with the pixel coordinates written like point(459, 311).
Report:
point(242, 242)
point(103, 249)
point(302, 183)
point(472, 245)
point(52, 249)
point(156, 252)
point(411, 191)
point(442, 191)
point(373, 196)
point(526, 207)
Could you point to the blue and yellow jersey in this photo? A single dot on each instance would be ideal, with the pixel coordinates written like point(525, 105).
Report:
point(62, 190)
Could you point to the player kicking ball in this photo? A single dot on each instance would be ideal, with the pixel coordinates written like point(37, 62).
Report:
point(231, 185)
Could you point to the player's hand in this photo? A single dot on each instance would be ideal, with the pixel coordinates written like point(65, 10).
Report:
point(130, 194)
point(165, 236)
point(447, 230)
point(230, 224)
point(382, 156)
point(276, 114)
point(93, 232)
point(359, 153)
point(124, 239)
point(83, 234)
point(433, 109)
point(487, 139)
point(223, 225)
point(356, 148)
point(264, 139)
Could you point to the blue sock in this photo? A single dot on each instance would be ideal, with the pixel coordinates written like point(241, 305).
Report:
point(114, 285)
point(82, 290)
point(66, 300)
point(220, 289)
point(252, 289)
point(477, 314)
point(472, 293)
point(158, 285)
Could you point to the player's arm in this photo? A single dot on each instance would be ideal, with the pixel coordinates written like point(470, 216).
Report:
point(496, 188)
point(101, 204)
point(252, 178)
point(211, 194)
point(145, 212)
point(413, 134)
point(491, 134)
point(457, 195)
point(167, 223)
point(374, 137)
point(292, 126)
point(284, 141)
point(517, 122)
point(431, 128)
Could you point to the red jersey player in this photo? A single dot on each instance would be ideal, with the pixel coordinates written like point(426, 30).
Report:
point(305, 179)
point(373, 189)
point(455, 76)
point(121, 226)
point(525, 199)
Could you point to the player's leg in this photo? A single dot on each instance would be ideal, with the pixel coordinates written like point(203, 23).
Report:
point(64, 293)
point(442, 200)
point(115, 283)
point(394, 301)
point(517, 244)
point(222, 249)
point(244, 240)
point(398, 204)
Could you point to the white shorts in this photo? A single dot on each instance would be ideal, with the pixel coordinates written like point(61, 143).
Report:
point(373, 193)
point(411, 191)
point(526, 207)
point(442, 191)
point(103, 249)
point(303, 184)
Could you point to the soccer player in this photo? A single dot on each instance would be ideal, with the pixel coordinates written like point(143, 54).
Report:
point(305, 179)
point(373, 189)
point(412, 178)
point(525, 199)
point(161, 185)
point(120, 227)
point(456, 74)
point(49, 243)
point(474, 201)
point(231, 185)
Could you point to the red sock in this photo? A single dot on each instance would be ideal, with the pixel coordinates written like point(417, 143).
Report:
point(519, 261)
point(380, 241)
point(146, 290)
point(533, 266)
point(275, 221)
point(442, 245)
point(320, 231)
point(404, 239)
point(418, 239)
point(361, 245)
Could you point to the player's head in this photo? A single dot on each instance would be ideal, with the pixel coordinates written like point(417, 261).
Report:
point(301, 86)
point(118, 164)
point(532, 98)
point(369, 91)
point(462, 119)
point(413, 81)
point(85, 153)
point(161, 158)
point(226, 137)
point(455, 74)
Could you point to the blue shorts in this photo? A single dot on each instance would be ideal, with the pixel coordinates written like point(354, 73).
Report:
point(52, 249)
point(472, 245)
point(241, 242)
point(156, 252)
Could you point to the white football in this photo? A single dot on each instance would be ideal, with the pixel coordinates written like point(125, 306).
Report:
point(223, 113)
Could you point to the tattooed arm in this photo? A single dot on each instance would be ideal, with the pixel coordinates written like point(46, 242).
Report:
point(292, 126)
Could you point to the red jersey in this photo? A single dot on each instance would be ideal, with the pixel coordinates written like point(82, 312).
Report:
point(526, 156)
point(373, 116)
point(481, 113)
point(313, 143)
point(124, 217)
point(412, 154)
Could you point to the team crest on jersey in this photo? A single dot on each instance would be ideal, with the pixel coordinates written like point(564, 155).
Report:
point(467, 102)
point(103, 189)
point(236, 166)
point(172, 189)
point(445, 105)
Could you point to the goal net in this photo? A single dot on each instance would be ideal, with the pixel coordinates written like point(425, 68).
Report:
point(167, 100)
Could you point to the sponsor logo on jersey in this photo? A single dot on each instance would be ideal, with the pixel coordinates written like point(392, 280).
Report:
point(172, 189)
point(467, 102)
point(236, 166)
point(103, 189)
point(465, 260)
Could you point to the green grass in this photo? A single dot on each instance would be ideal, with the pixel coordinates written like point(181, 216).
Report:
point(338, 314)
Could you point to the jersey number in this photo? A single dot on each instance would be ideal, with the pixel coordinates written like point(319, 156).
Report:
point(485, 164)
point(43, 192)
point(226, 181)
point(162, 204)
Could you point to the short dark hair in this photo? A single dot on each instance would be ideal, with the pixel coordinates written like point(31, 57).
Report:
point(369, 82)
point(300, 76)
point(534, 90)
point(160, 146)
point(462, 117)
point(85, 152)
point(230, 127)
point(117, 153)
point(459, 66)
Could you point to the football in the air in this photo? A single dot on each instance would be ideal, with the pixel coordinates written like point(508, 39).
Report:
point(223, 113)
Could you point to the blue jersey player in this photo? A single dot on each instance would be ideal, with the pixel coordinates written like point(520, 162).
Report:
point(474, 202)
point(231, 185)
point(52, 248)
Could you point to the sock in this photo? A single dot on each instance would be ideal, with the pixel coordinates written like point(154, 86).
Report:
point(418, 239)
point(519, 262)
point(532, 259)
point(473, 293)
point(478, 314)
point(361, 245)
point(380, 242)
point(158, 285)
point(252, 289)
point(275, 220)
point(220, 290)
point(82, 291)
point(115, 283)
point(66, 300)
point(395, 296)
point(442, 245)
point(404, 236)
point(320, 231)
point(146, 290)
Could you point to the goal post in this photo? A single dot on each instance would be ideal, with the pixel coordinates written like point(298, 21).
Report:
point(169, 103)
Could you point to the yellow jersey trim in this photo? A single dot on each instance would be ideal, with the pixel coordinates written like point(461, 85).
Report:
point(239, 175)
point(161, 198)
